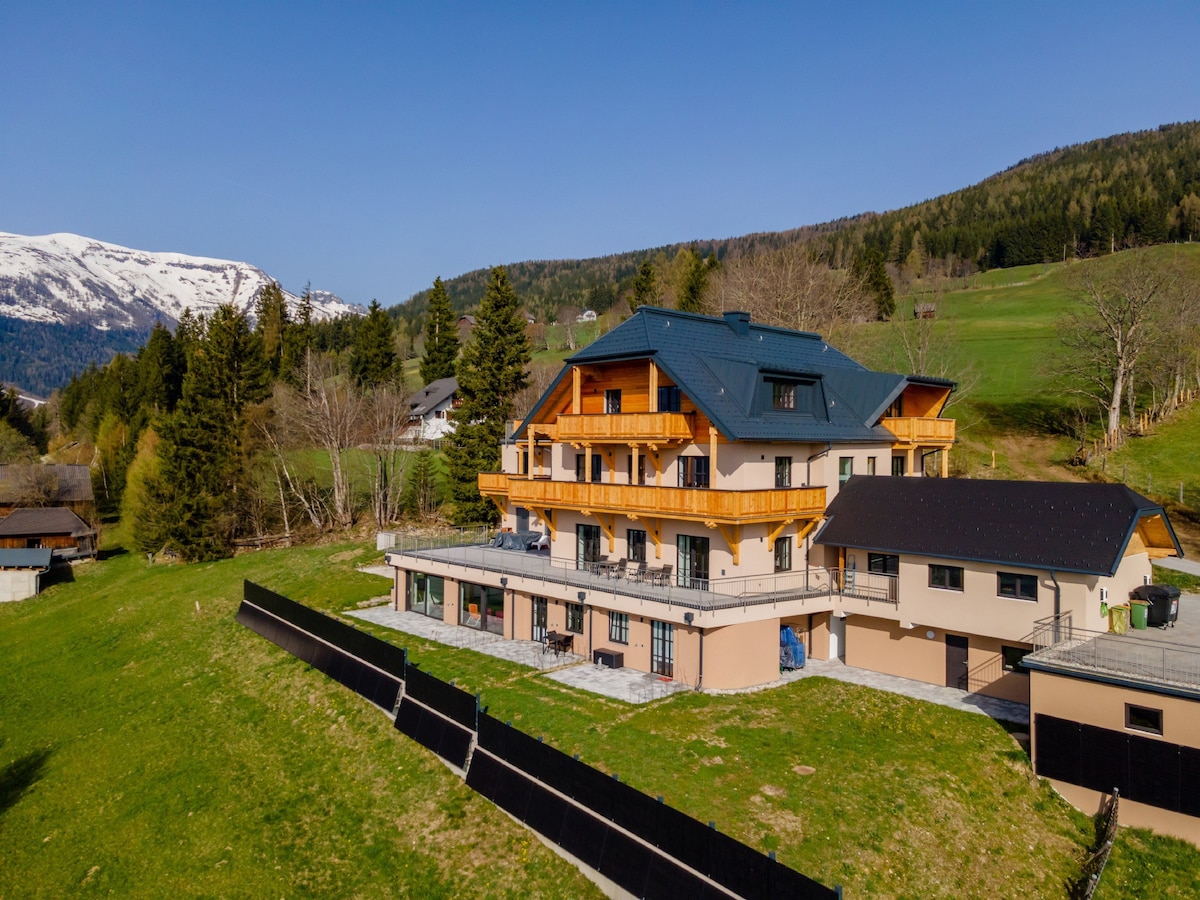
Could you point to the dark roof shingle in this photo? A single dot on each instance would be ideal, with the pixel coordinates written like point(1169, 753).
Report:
point(1044, 525)
point(58, 483)
point(43, 521)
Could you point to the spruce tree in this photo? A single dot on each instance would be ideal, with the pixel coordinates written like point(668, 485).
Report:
point(270, 311)
point(693, 281)
point(643, 286)
point(373, 357)
point(490, 374)
point(441, 337)
point(298, 338)
point(160, 368)
point(870, 268)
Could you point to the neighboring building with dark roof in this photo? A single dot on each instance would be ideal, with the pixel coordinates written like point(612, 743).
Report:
point(53, 528)
point(21, 573)
point(30, 485)
point(429, 410)
point(978, 564)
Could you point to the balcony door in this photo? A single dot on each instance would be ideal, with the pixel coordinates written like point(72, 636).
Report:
point(693, 561)
point(587, 545)
point(539, 619)
point(662, 649)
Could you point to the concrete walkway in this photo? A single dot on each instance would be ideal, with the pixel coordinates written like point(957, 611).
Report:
point(1179, 565)
point(633, 686)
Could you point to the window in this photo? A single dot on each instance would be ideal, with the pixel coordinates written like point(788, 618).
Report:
point(635, 543)
point(783, 395)
point(670, 399)
point(597, 467)
point(1019, 587)
point(783, 471)
point(870, 465)
point(693, 471)
point(883, 563)
point(845, 469)
point(662, 649)
point(783, 554)
point(897, 466)
point(1012, 658)
point(575, 618)
point(581, 466)
point(896, 409)
point(1143, 718)
point(618, 627)
point(523, 463)
point(640, 476)
point(612, 401)
point(949, 578)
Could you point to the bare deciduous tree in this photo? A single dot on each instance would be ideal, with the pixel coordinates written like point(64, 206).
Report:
point(385, 419)
point(792, 288)
point(1121, 306)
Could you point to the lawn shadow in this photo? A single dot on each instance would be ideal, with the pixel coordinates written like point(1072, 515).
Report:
point(110, 553)
point(1042, 415)
point(62, 573)
point(20, 775)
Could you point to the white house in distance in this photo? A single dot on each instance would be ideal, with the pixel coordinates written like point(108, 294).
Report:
point(429, 411)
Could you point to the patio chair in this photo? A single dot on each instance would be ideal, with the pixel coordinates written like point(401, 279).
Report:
point(617, 570)
point(663, 576)
point(473, 615)
point(639, 574)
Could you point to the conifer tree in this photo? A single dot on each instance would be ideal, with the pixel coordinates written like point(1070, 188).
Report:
point(870, 268)
point(160, 368)
point(441, 337)
point(490, 374)
point(373, 357)
point(270, 311)
point(693, 281)
point(643, 286)
point(298, 338)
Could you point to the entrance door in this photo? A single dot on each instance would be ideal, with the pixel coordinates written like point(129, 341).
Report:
point(662, 649)
point(837, 637)
point(522, 519)
point(587, 545)
point(956, 661)
point(693, 561)
point(539, 619)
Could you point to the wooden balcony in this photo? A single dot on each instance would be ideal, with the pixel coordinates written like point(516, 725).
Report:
point(695, 504)
point(661, 427)
point(920, 431)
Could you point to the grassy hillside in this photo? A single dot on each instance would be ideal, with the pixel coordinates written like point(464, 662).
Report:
point(150, 745)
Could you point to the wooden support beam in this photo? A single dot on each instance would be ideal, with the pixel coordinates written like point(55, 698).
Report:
point(945, 462)
point(733, 538)
point(653, 387)
point(712, 454)
point(532, 455)
point(633, 463)
point(500, 506)
point(805, 530)
point(911, 469)
point(547, 516)
point(654, 530)
point(576, 391)
point(587, 462)
point(607, 525)
point(773, 533)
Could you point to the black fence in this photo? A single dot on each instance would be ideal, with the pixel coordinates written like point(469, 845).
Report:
point(528, 778)
point(1144, 770)
point(727, 861)
point(324, 644)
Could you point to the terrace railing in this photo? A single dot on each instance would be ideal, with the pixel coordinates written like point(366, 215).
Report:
point(1114, 654)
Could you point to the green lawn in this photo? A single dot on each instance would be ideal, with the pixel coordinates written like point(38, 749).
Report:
point(168, 749)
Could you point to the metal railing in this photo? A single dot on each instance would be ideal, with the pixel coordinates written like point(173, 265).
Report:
point(690, 593)
point(442, 539)
point(1059, 642)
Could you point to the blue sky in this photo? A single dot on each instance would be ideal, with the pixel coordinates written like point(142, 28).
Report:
point(367, 148)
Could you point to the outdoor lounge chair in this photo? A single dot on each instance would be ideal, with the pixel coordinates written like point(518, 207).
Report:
point(473, 615)
point(639, 574)
point(663, 576)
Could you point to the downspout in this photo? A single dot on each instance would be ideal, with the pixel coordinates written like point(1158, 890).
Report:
point(700, 679)
point(808, 463)
point(1057, 603)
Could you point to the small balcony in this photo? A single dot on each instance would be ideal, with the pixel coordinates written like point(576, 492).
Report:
point(659, 428)
point(695, 504)
point(920, 430)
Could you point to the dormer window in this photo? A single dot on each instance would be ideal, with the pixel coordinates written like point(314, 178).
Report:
point(783, 395)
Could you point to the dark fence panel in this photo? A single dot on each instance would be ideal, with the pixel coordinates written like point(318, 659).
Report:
point(379, 653)
point(1153, 773)
point(381, 689)
point(445, 698)
point(1057, 751)
point(727, 861)
point(447, 739)
point(1189, 781)
point(1105, 762)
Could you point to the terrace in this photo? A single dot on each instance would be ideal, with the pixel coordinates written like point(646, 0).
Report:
point(710, 595)
point(1159, 657)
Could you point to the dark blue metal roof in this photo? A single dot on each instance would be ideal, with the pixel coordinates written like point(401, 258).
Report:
point(722, 362)
point(1058, 526)
point(23, 558)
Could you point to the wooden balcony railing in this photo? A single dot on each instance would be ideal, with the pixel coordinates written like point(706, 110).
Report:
point(661, 426)
point(696, 504)
point(920, 430)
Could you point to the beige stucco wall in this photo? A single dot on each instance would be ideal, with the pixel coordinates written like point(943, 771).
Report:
point(1103, 705)
point(18, 584)
point(885, 646)
point(739, 656)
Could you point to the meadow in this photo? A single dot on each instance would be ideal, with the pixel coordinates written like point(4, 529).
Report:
point(151, 745)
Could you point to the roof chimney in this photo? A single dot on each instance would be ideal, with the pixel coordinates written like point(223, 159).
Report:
point(739, 322)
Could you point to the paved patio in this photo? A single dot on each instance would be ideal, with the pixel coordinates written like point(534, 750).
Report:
point(633, 686)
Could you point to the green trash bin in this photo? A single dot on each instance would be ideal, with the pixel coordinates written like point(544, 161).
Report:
point(1139, 611)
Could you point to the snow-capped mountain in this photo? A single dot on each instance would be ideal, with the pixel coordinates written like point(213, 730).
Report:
point(66, 279)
